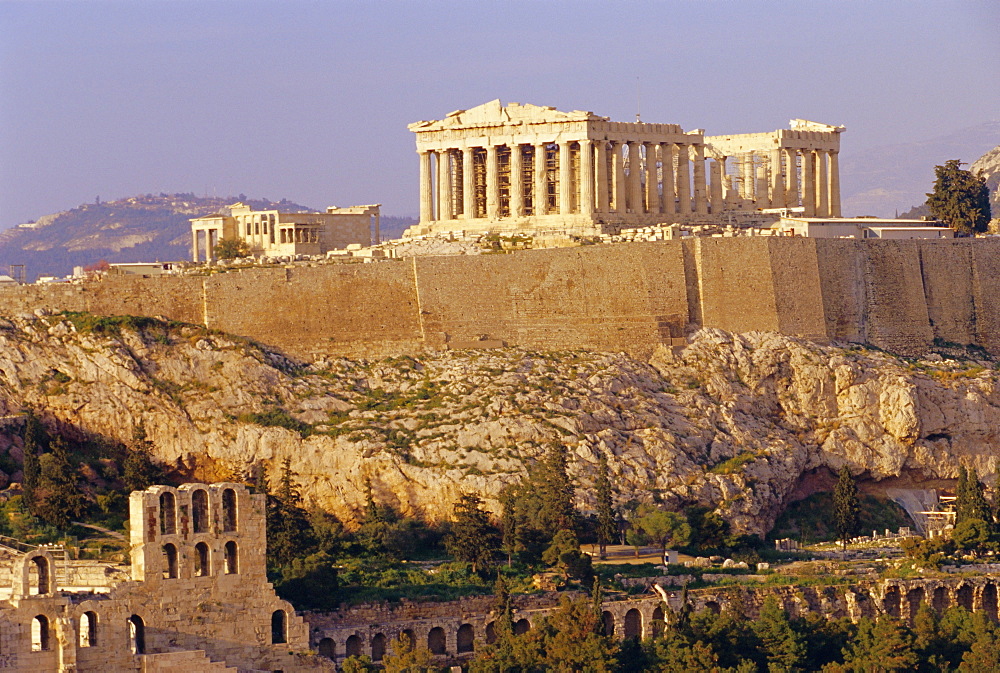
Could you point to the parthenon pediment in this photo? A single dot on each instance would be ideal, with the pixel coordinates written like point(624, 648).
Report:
point(806, 125)
point(494, 112)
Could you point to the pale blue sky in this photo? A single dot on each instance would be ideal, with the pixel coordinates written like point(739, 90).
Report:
point(310, 100)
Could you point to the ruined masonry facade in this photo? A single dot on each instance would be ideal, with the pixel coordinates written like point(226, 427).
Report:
point(531, 168)
point(195, 597)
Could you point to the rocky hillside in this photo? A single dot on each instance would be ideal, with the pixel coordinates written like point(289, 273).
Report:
point(989, 164)
point(741, 423)
point(135, 229)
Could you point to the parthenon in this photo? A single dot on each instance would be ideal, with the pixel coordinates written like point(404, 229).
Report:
point(526, 167)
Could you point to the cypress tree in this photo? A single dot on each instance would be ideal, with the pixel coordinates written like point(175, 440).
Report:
point(472, 537)
point(557, 492)
point(33, 437)
point(606, 527)
point(59, 500)
point(961, 495)
point(846, 508)
point(976, 506)
point(138, 470)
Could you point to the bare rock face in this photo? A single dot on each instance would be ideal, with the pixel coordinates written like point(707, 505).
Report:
point(731, 421)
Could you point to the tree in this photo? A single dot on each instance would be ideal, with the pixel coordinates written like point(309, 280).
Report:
point(231, 248)
point(960, 199)
point(784, 648)
point(846, 508)
point(881, 647)
point(970, 501)
point(289, 534)
point(138, 470)
point(564, 553)
point(58, 498)
point(472, 537)
point(557, 511)
point(508, 522)
point(606, 527)
point(664, 528)
point(403, 657)
point(33, 438)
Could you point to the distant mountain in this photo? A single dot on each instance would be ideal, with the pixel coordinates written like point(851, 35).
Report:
point(894, 178)
point(135, 229)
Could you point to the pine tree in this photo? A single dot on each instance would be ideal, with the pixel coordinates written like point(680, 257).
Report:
point(33, 438)
point(58, 498)
point(289, 533)
point(960, 199)
point(846, 508)
point(138, 471)
point(784, 647)
point(472, 537)
point(606, 527)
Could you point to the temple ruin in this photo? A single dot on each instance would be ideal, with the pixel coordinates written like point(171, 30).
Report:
point(530, 168)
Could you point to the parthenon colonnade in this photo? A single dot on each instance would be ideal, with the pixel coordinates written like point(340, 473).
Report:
point(529, 167)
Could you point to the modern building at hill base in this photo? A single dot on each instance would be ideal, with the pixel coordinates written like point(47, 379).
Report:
point(862, 227)
point(530, 168)
point(274, 233)
point(194, 598)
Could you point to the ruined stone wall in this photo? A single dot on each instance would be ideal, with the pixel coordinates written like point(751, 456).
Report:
point(899, 295)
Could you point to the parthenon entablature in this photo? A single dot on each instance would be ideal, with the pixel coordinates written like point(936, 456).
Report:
point(529, 167)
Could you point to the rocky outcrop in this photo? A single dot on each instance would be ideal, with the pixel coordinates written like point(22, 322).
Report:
point(988, 166)
point(730, 421)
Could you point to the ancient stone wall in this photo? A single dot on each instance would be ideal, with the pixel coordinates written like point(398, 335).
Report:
point(897, 295)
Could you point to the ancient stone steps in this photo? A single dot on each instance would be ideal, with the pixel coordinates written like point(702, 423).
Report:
point(184, 661)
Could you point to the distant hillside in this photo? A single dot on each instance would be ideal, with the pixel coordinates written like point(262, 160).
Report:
point(135, 229)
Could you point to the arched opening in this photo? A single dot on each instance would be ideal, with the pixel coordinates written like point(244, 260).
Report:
point(353, 648)
point(232, 566)
point(466, 641)
point(88, 629)
point(229, 509)
point(657, 623)
point(39, 633)
point(521, 626)
point(169, 561)
point(378, 647)
point(990, 600)
point(914, 597)
point(409, 638)
point(633, 625)
point(939, 600)
point(327, 648)
point(279, 630)
point(964, 597)
point(201, 560)
point(435, 640)
point(199, 511)
point(713, 607)
point(890, 602)
point(39, 576)
point(136, 635)
point(491, 633)
point(608, 620)
point(168, 514)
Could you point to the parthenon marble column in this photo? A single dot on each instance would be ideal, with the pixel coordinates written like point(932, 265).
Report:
point(777, 185)
point(492, 184)
point(426, 201)
point(791, 179)
point(700, 200)
point(808, 183)
point(565, 179)
point(539, 199)
point(516, 185)
point(444, 186)
point(619, 178)
point(683, 179)
point(586, 177)
point(822, 186)
point(468, 185)
point(715, 170)
point(667, 166)
point(634, 177)
point(652, 186)
point(834, 186)
point(601, 177)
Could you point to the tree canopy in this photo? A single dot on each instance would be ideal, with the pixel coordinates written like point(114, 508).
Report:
point(846, 507)
point(960, 199)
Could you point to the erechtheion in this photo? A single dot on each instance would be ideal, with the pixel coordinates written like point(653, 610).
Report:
point(525, 167)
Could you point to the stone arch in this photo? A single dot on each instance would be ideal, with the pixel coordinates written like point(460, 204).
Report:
point(608, 620)
point(136, 635)
point(633, 625)
point(229, 518)
point(521, 626)
point(353, 646)
point(491, 633)
point(865, 604)
point(963, 596)
point(199, 510)
point(40, 633)
point(37, 575)
point(88, 629)
point(279, 627)
point(989, 600)
point(232, 558)
point(939, 600)
point(409, 637)
point(436, 641)
point(466, 639)
point(914, 597)
point(712, 606)
point(169, 561)
point(657, 622)
point(168, 513)
point(327, 648)
point(202, 560)
point(378, 647)
point(891, 602)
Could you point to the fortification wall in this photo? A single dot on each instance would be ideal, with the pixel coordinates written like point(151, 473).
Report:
point(897, 295)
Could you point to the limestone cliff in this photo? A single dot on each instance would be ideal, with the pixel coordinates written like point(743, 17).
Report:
point(732, 421)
